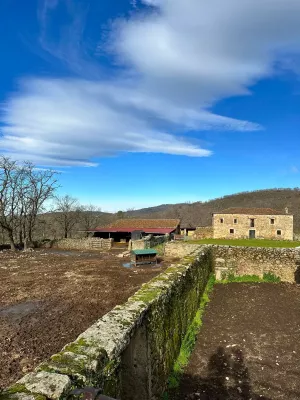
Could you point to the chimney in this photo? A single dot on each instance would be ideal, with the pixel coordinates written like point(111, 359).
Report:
point(286, 210)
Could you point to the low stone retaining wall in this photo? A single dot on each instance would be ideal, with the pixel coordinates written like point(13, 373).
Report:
point(239, 260)
point(282, 262)
point(180, 249)
point(83, 244)
point(132, 349)
point(147, 242)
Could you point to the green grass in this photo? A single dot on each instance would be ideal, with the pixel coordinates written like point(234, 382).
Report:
point(267, 277)
point(189, 341)
point(247, 242)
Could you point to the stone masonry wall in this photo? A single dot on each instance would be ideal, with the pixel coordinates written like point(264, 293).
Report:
point(148, 242)
point(84, 244)
point(203, 232)
point(262, 226)
point(130, 351)
point(282, 262)
point(296, 236)
point(180, 249)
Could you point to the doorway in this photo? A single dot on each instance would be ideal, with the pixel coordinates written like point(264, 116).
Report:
point(252, 234)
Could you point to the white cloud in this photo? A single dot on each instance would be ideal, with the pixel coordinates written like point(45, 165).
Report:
point(154, 3)
point(178, 60)
point(57, 122)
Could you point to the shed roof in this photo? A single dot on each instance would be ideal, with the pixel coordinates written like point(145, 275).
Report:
point(251, 211)
point(144, 252)
point(145, 225)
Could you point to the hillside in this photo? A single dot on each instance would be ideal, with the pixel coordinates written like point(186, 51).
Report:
point(195, 214)
point(199, 213)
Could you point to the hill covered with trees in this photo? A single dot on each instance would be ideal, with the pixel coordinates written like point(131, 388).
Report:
point(200, 213)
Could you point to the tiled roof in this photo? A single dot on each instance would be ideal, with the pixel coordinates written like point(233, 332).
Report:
point(139, 224)
point(251, 211)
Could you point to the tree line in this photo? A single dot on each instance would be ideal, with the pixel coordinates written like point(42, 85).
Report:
point(26, 194)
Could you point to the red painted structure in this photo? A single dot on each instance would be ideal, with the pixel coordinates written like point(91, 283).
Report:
point(122, 229)
point(161, 231)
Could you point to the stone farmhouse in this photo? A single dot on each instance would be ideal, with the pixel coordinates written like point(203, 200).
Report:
point(260, 223)
point(126, 229)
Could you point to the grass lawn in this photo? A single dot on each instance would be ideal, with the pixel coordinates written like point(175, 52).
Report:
point(247, 242)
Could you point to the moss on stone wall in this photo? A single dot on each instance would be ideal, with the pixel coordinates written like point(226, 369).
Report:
point(145, 334)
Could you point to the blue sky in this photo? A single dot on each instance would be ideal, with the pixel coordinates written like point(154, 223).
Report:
point(146, 102)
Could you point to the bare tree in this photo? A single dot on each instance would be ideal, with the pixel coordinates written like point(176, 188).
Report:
point(38, 186)
point(89, 216)
point(23, 192)
point(9, 184)
point(67, 213)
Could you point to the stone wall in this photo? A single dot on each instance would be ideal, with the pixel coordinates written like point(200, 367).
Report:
point(282, 262)
point(203, 232)
point(180, 249)
point(83, 244)
point(131, 351)
point(238, 260)
point(297, 236)
point(240, 226)
point(148, 242)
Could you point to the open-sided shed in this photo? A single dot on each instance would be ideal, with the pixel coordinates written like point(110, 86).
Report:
point(134, 228)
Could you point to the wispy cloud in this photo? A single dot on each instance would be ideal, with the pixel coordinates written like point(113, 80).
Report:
point(174, 61)
point(295, 170)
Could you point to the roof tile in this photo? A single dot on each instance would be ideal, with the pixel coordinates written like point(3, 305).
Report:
point(139, 224)
point(251, 211)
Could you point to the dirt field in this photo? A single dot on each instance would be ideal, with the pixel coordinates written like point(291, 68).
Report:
point(248, 347)
point(48, 298)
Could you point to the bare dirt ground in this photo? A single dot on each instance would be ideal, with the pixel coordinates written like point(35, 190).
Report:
point(248, 347)
point(48, 298)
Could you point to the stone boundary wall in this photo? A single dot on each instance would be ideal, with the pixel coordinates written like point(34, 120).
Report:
point(203, 232)
point(130, 351)
point(297, 236)
point(180, 249)
point(147, 242)
point(83, 244)
point(239, 260)
point(282, 262)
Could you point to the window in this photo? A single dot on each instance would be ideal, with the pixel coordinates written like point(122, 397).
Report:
point(272, 221)
point(279, 232)
point(235, 221)
point(221, 220)
point(251, 222)
point(231, 230)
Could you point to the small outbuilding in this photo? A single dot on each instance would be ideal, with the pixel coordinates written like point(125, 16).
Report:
point(187, 229)
point(142, 257)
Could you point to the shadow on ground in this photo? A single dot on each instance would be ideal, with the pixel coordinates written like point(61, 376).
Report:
point(227, 379)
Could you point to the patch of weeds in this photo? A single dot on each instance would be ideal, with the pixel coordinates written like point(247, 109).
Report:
point(230, 278)
point(160, 248)
point(189, 341)
point(270, 277)
point(267, 277)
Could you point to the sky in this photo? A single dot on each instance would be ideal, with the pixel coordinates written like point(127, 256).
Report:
point(145, 102)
